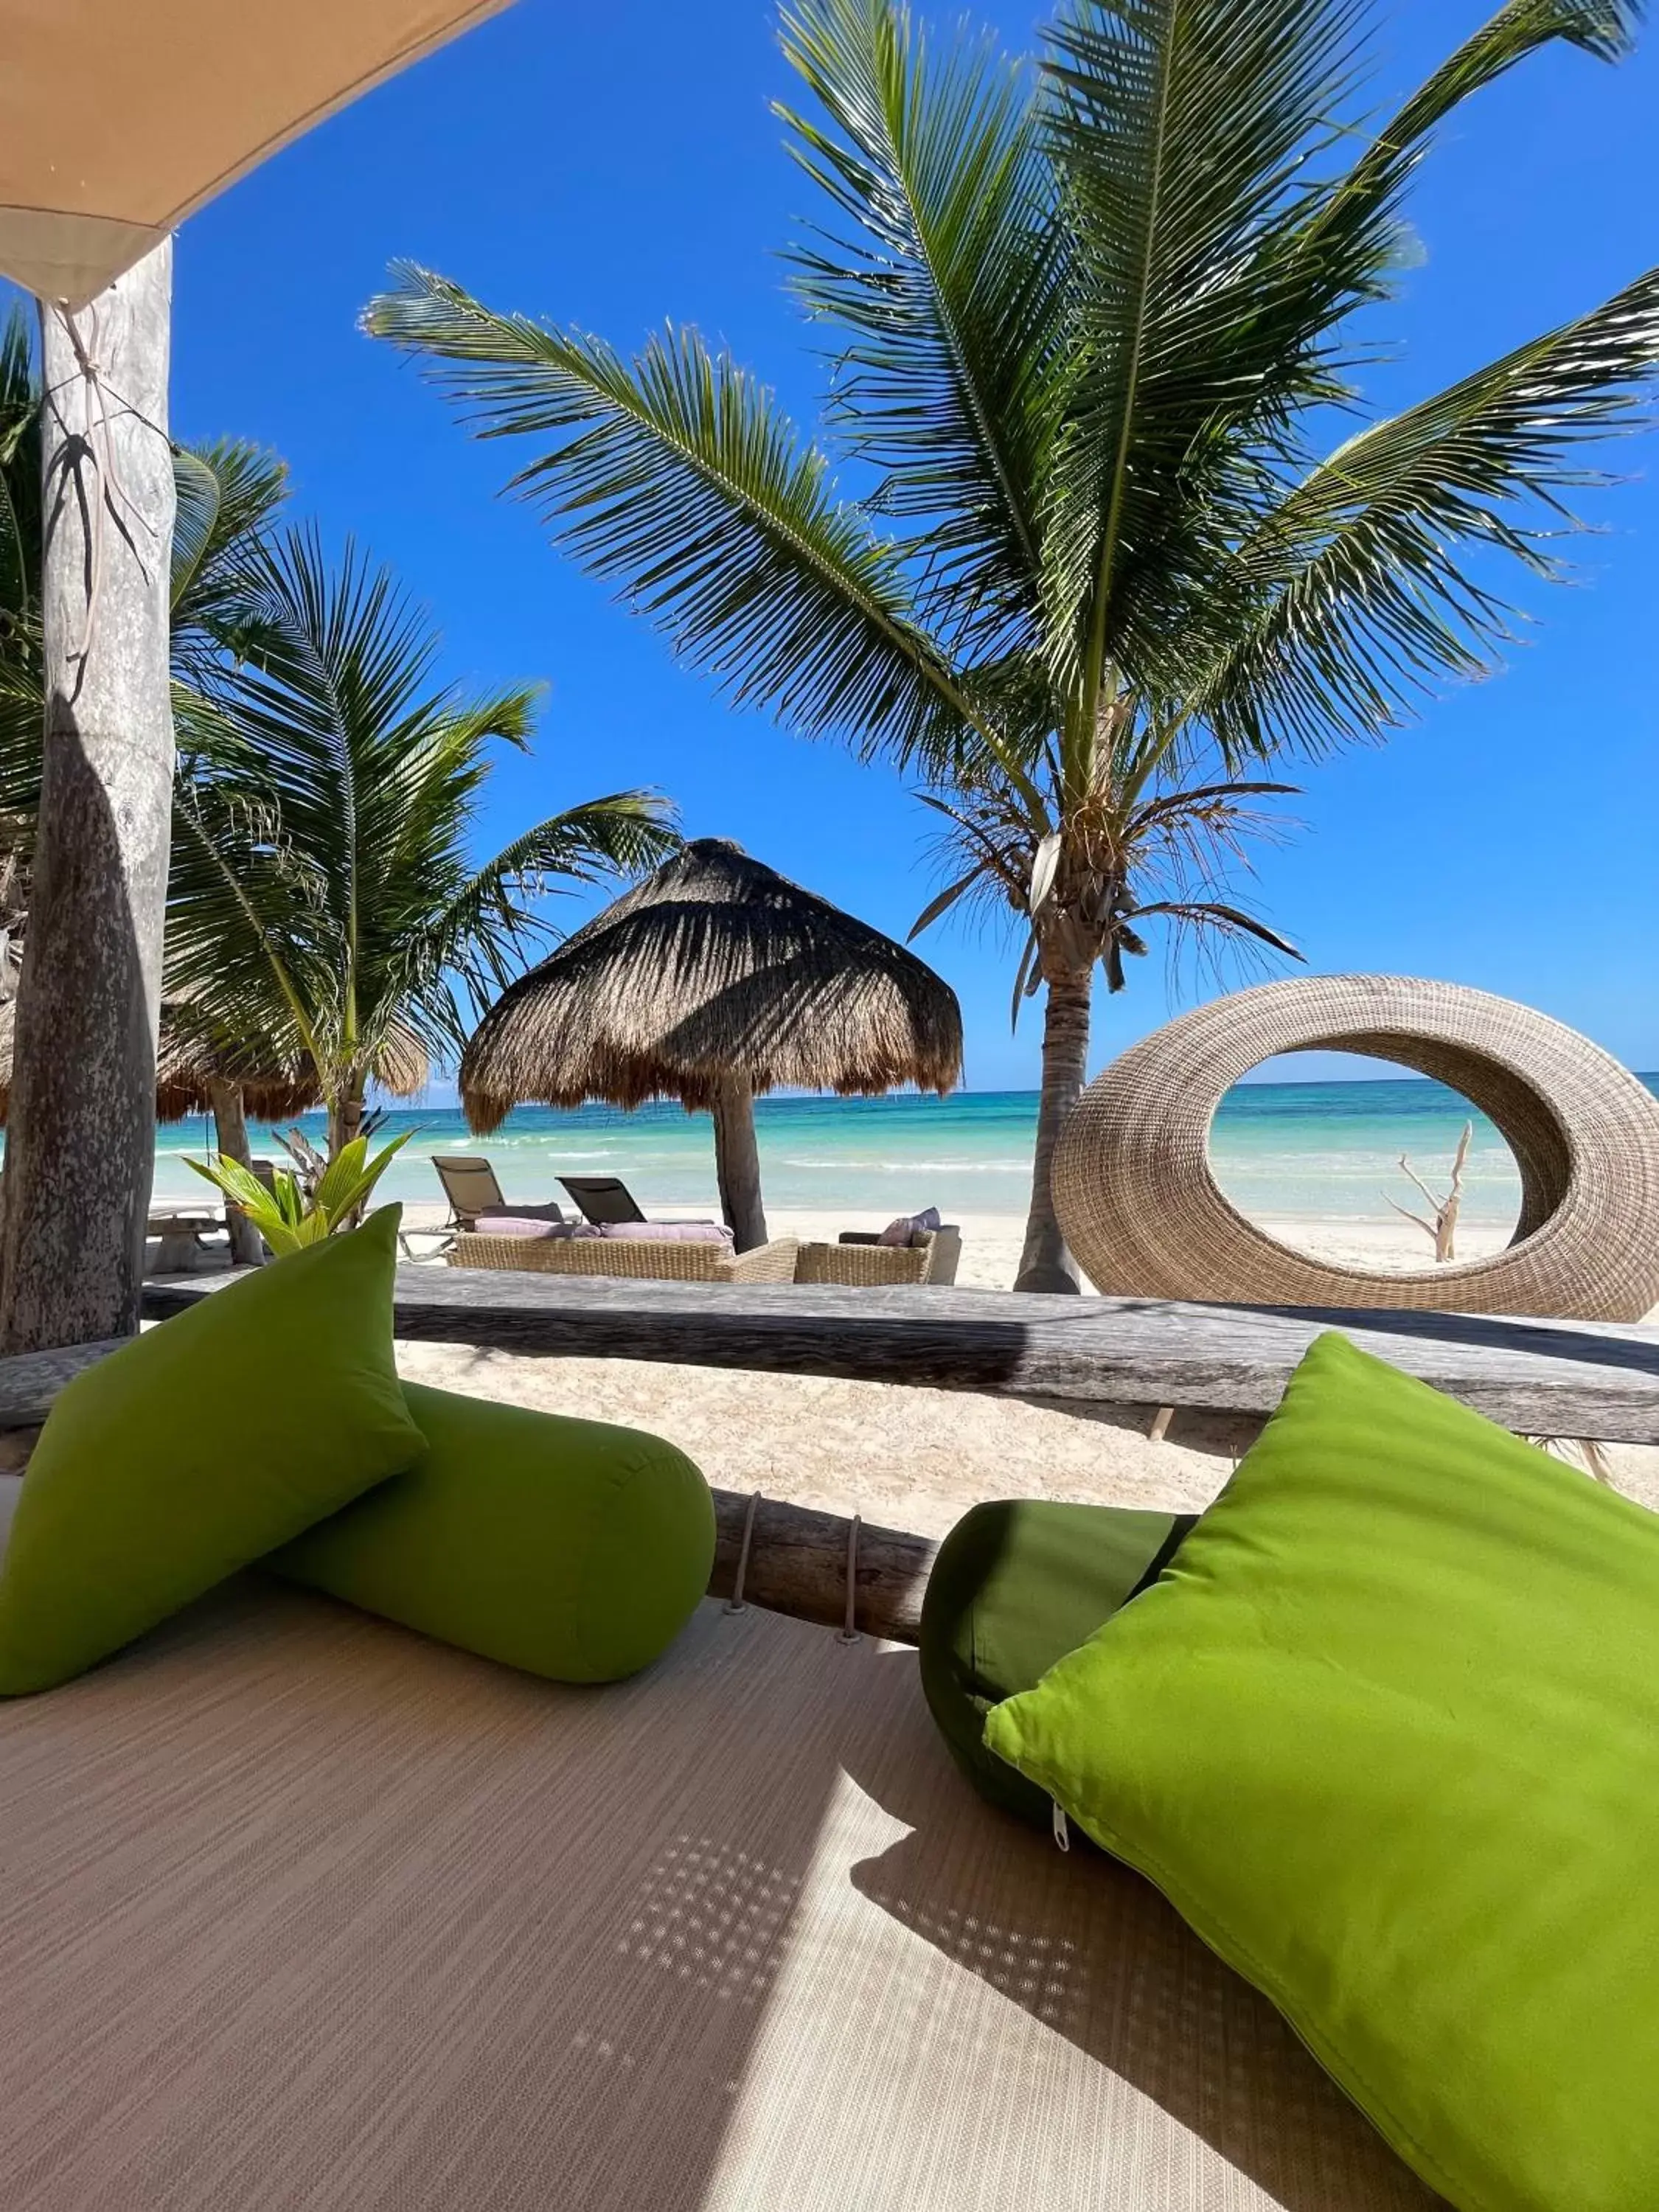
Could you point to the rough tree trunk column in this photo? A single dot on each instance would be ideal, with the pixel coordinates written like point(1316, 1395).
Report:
point(1045, 1264)
point(79, 1147)
point(345, 1120)
point(248, 1247)
point(737, 1164)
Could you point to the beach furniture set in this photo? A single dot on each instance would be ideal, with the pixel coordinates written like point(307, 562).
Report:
point(489, 1231)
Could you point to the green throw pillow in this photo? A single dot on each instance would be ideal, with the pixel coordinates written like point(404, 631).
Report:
point(1385, 1732)
point(1017, 1584)
point(570, 1548)
point(200, 1446)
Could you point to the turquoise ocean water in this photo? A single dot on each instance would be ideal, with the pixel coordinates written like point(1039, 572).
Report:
point(1296, 1150)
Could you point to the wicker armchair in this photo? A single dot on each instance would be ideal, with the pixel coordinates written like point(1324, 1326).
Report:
point(635, 1257)
point(859, 1261)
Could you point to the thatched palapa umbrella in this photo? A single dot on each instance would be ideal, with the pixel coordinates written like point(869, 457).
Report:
point(193, 1073)
point(712, 980)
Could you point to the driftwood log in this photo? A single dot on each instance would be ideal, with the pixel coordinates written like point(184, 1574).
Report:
point(30, 1381)
point(797, 1562)
point(1596, 1380)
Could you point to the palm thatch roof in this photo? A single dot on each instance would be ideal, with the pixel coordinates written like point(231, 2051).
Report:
point(189, 1063)
point(714, 968)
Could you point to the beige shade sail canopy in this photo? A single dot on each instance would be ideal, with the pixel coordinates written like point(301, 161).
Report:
point(119, 117)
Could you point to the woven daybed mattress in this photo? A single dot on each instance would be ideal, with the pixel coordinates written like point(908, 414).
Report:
point(299, 1911)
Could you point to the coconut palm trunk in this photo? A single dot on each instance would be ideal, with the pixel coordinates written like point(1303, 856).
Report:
point(1044, 1263)
point(231, 1143)
point(80, 1142)
point(737, 1164)
point(345, 1118)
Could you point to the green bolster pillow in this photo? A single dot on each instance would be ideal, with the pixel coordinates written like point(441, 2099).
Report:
point(1015, 1585)
point(573, 1549)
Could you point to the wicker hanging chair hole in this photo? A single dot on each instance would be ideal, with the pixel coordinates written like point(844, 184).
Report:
point(1143, 1213)
point(1431, 1166)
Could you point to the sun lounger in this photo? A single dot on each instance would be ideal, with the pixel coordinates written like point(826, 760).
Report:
point(599, 1198)
point(473, 1191)
point(733, 1934)
point(862, 1261)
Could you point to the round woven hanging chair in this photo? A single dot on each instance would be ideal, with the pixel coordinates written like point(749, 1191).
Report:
point(1145, 1218)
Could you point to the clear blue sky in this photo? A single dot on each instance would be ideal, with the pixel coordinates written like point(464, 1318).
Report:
point(610, 165)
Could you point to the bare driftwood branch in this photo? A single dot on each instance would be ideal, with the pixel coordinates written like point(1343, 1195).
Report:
point(1443, 1227)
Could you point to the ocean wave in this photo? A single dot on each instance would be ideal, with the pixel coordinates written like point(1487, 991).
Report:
point(917, 1166)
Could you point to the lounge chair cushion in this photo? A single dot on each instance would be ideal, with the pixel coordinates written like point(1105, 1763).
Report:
point(1015, 1585)
point(665, 1232)
point(570, 1548)
point(910, 1228)
point(199, 1447)
point(551, 1223)
point(531, 1226)
point(1385, 1732)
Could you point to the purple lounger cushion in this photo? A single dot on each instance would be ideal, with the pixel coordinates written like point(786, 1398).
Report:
point(667, 1232)
point(521, 1225)
point(910, 1228)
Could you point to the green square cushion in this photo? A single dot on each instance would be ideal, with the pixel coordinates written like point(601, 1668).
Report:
point(199, 1447)
point(570, 1548)
point(1387, 1733)
point(1015, 1586)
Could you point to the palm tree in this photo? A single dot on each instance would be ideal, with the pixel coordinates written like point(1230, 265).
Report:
point(322, 899)
point(228, 492)
point(1088, 325)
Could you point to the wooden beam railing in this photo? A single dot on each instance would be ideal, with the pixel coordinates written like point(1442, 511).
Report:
point(1540, 1378)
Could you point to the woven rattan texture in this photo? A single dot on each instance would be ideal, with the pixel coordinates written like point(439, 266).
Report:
point(1144, 1217)
point(635, 1257)
point(300, 1909)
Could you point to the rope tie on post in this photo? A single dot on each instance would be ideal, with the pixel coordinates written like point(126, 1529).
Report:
point(849, 1633)
point(735, 1602)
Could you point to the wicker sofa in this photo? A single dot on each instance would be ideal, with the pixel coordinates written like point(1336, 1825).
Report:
point(635, 1257)
point(860, 1262)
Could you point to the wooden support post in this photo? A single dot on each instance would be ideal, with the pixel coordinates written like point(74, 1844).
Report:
point(737, 1164)
point(80, 1146)
point(248, 1247)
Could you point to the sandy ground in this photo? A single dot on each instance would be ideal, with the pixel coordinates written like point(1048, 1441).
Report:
point(903, 1456)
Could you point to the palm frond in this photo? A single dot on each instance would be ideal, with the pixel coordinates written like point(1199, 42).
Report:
point(1605, 28)
point(948, 275)
point(1186, 132)
point(228, 495)
point(677, 478)
point(1363, 602)
point(321, 880)
point(20, 471)
point(478, 934)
